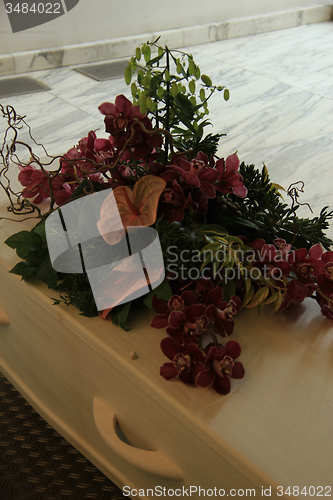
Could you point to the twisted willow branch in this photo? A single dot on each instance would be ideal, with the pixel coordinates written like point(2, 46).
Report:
point(18, 205)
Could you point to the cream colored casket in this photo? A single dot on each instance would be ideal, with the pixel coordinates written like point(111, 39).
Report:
point(273, 431)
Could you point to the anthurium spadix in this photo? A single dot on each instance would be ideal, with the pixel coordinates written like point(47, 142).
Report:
point(121, 255)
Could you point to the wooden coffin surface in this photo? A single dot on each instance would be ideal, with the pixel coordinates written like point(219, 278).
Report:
point(274, 428)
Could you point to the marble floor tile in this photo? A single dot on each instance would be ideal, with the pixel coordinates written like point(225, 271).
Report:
point(279, 112)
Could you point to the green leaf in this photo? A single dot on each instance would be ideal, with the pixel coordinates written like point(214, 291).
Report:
point(24, 269)
point(24, 241)
point(226, 94)
point(202, 94)
point(184, 104)
point(128, 74)
point(179, 68)
point(206, 80)
point(47, 274)
point(211, 247)
point(138, 53)
point(40, 229)
point(120, 314)
point(167, 75)
point(248, 296)
point(229, 289)
point(160, 51)
point(213, 229)
point(234, 239)
point(259, 297)
point(163, 291)
point(271, 299)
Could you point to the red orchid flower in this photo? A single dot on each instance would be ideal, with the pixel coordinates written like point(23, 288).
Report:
point(272, 260)
point(164, 309)
point(325, 279)
point(119, 115)
point(186, 361)
point(307, 264)
point(229, 179)
point(326, 304)
point(295, 293)
point(174, 202)
point(36, 183)
point(221, 313)
point(187, 325)
point(220, 364)
point(196, 173)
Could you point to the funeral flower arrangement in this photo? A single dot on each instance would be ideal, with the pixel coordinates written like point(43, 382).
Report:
point(229, 240)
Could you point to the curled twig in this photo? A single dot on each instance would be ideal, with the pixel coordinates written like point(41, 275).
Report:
point(293, 191)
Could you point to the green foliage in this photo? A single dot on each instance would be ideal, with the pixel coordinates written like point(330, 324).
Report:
point(74, 289)
point(120, 314)
point(263, 206)
point(31, 246)
point(167, 88)
point(163, 291)
point(265, 215)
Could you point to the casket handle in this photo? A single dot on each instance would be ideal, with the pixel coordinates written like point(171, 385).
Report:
point(4, 318)
point(153, 462)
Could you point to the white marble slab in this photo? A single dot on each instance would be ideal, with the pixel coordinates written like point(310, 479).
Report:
point(279, 112)
point(180, 37)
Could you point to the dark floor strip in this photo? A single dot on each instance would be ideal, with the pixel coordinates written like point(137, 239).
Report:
point(37, 463)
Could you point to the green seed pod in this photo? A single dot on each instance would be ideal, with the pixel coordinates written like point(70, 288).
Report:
point(143, 105)
point(138, 53)
point(140, 76)
point(191, 86)
point(146, 81)
point(197, 75)
point(179, 68)
point(128, 74)
point(154, 107)
point(191, 68)
point(174, 89)
point(202, 94)
point(206, 80)
point(160, 92)
point(226, 95)
point(133, 89)
point(147, 54)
